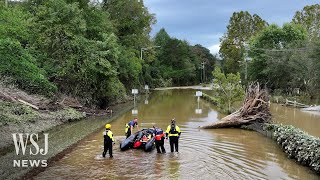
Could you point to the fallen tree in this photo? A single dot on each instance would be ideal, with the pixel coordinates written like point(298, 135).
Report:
point(255, 108)
point(255, 115)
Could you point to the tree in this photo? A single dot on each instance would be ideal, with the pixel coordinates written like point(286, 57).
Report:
point(176, 62)
point(78, 52)
point(15, 24)
point(309, 18)
point(203, 55)
point(161, 38)
point(21, 67)
point(305, 67)
point(271, 50)
point(132, 21)
point(242, 25)
point(228, 88)
point(130, 67)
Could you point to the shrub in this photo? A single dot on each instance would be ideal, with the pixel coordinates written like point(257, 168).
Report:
point(17, 63)
point(297, 144)
point(211, 99)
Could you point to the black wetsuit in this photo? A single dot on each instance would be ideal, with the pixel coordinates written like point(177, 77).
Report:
point(108, 141)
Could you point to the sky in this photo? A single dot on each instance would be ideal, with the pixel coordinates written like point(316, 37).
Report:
point(205, 21)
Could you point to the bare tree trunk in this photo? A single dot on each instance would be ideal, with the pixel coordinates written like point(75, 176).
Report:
point(255, 108)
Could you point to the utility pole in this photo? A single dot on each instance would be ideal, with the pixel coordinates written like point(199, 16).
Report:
point(246, 59)
point(6, 3)
point(203, 72)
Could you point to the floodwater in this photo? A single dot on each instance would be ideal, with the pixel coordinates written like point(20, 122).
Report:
point(203, 154)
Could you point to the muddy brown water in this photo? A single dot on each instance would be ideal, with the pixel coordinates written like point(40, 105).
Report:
point(203, 154)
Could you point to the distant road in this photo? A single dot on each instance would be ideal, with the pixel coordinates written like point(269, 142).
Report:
point(186, 87)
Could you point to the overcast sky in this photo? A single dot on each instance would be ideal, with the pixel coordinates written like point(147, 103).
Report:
point(204, 21)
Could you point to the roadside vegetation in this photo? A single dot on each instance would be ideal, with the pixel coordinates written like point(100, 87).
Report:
point(59, 57)
point(285, 59)
point(297, 144)
point(94, 52)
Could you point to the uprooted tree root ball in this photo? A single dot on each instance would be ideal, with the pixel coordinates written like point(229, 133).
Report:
point(255, 108)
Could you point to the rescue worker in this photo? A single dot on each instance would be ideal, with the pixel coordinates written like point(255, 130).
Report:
point(108, 141)
point(159, 139)
point(130, 125)
point(173, 131)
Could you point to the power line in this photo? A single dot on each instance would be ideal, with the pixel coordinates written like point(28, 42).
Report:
point(281, 50)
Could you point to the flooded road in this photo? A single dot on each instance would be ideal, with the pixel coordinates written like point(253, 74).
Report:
point(203, 154)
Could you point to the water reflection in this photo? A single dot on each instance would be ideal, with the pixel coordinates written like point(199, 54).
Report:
point(306, 121)
point(173, 166)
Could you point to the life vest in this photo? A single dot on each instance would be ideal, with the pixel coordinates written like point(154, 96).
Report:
point(159, 134)
point(108, 135)
point(173, 130)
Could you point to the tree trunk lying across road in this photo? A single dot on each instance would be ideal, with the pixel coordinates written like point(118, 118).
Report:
point(255, 108)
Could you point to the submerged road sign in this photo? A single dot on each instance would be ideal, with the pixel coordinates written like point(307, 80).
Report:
point(134, 91)
point(134, 112)
point(198, 93)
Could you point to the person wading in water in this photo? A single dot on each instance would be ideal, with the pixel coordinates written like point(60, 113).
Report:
point(130, 125)
point(108, 141)
point(173, 131)
point(159, 139)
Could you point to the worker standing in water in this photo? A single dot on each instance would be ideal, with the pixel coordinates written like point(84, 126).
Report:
point(108, 141)
point(173, 131)
point(130, 125)
point(159, 139)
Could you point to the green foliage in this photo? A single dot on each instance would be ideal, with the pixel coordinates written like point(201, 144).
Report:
point(211, 99)
point(271, 60)
point(297, 144)
point(306, 69)
point(91, 50)
point(74, 50)
point(177, 62)
point(130, 67)
point(228, 89)
point(14, 24)
point(309, 18)
point(203, 55)
point(18, 64)
point(242, 25)
point(132, 21)
point(161, 38)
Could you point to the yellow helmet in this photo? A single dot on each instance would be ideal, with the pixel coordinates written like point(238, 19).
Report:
point(108, 126)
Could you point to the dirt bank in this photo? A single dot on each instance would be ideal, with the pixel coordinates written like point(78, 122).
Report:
point(21, 112)
point(62, 139)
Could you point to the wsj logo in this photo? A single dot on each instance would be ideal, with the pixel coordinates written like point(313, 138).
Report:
point(21, 141)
